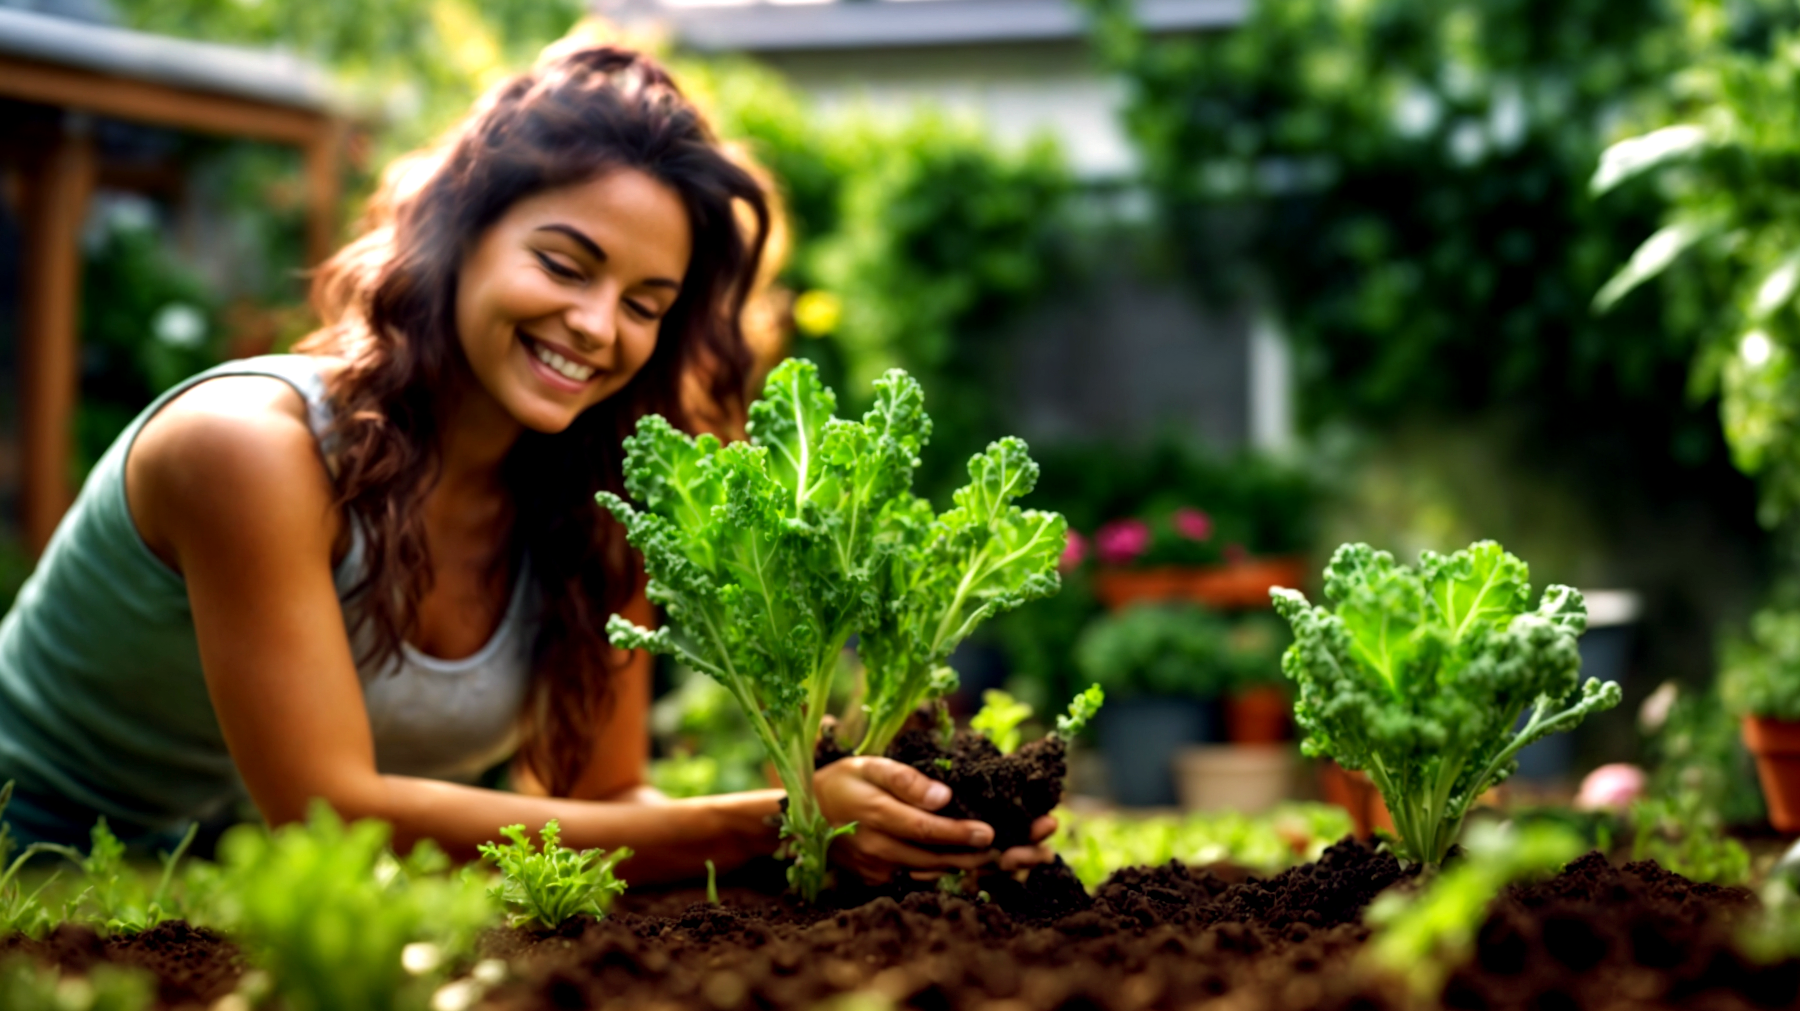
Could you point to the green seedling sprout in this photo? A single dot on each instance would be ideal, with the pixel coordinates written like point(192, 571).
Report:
point(999, 719)
point(548, 888)
point(114, 897)
point(1081, 709)
point(20, 910)
point(712, 884)
point(327, 911)
point(1419, 676)
point(1421, 936)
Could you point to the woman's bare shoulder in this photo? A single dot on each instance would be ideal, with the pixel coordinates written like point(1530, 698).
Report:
point(235, 450)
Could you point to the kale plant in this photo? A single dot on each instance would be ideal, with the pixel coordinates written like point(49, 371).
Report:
point(947, 574)
point(764, 555)
point(768, 555)
point(549, 888)
point(1419, 676)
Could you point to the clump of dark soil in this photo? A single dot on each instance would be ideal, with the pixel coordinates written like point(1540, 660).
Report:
point(193, 966)
point(1008, 792)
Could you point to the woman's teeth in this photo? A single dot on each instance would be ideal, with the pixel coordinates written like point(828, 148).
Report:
point(564, 367)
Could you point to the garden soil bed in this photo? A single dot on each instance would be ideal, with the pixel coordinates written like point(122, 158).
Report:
point(1596, 936)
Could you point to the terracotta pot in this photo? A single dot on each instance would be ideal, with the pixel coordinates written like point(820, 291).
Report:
point(1235, 585)
point(1776, 745)
point(1258, 715)
point(1353, 792)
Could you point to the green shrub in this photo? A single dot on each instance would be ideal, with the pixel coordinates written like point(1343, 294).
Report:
point(1761, 676)
point(1180, 650)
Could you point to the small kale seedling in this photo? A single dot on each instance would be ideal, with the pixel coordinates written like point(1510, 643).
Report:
point(548, 888)
point(1420, 675)
point(1082, 709)
point(999, 719)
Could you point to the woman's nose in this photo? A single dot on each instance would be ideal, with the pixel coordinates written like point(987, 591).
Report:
point(593, 322)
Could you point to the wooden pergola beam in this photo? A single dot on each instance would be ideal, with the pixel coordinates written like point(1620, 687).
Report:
point(57, 188)
point(58, 185)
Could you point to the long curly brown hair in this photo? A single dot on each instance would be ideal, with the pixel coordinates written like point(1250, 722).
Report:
point(387, 301)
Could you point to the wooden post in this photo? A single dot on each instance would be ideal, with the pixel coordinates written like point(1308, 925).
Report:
point(57, 191)
point(321, 193)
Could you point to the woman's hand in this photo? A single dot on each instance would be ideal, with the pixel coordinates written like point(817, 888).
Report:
point(891, 805)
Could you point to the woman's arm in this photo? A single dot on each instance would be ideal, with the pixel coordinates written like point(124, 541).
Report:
point(226, 485)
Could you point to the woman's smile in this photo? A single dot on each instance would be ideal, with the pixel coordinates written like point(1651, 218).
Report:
point(559, 366)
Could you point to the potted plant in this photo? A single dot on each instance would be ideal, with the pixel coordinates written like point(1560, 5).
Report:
point(1254, 769)
point(1185, 553)
point(1761, 684)
point(1164, 667)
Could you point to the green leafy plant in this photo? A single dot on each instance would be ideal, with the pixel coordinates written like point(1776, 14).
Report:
point(999, 719)
point(21, 910)
point(1082, 708)
point(767, 555)
point(1422, 935)
point(1684, 834)
point(1096, 845)
point(1158, 649)
point(1760, 676)
point(27, 986)
point(947, 575)
point(548, 888)
point(764, 555)
point(1419, 676)
point(115, 896)
point(327, 910)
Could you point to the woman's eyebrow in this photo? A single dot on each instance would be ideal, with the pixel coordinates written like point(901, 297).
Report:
point(580, 237)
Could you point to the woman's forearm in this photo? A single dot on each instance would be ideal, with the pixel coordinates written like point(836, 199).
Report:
point(670, 840)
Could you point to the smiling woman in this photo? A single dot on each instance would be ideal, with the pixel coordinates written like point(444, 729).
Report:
point(371, 570)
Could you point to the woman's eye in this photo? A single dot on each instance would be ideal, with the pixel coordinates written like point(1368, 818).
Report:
point(641, 310)
point(556, 268)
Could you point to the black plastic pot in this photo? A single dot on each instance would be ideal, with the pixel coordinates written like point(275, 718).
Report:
point(1139, 738)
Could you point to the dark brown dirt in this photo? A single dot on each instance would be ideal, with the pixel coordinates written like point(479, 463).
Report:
point(193, 966)
point(1169, 937)
point(1008, 792)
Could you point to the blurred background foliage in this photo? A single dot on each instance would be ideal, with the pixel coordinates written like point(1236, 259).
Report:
point(1408, 186)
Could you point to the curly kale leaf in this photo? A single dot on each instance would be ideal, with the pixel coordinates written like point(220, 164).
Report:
point(1420, 676)
point(947, 574)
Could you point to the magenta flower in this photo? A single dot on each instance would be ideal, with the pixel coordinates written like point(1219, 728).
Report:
point(1075, 551)
point(1193, 524)
point(1122, 541)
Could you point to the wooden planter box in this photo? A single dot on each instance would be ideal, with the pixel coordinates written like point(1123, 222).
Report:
point(1235, 585)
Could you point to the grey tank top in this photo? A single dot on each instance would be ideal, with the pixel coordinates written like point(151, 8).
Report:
point(102, 699)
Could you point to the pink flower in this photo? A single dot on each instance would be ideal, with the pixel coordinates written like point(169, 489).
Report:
point(1122, 541)
point(1075, 551)
point(1611, 788)
point(1193, 524)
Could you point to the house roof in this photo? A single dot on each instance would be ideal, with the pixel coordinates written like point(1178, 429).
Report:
point(261, 75)
point(888, 24)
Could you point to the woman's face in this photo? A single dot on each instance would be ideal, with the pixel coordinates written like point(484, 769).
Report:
point(559, 303)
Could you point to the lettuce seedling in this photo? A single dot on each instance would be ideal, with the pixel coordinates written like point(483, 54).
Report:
point(1420, 676)
point(945, 575)
point(999, 719)
point(549, 888)
point(327, 911)
point(763, 555)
